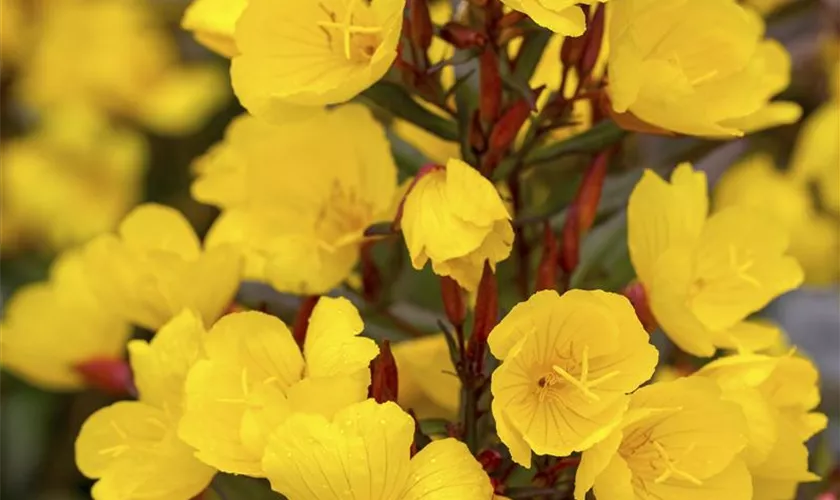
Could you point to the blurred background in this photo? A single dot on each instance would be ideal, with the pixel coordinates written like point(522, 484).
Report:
point(106, 103)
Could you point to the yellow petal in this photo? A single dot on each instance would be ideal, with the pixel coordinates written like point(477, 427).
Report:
point(662, 215)
point(327, 395)
point(615, 481)
point(594, 462)
point(445, 470)
point(333, 346)
point(212, 22)
point(427, 380)
point(157, 227)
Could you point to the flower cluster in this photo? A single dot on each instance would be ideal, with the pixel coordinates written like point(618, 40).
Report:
point(591, 322)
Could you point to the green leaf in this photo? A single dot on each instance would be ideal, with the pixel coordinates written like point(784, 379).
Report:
point(397, 101)
point(597, 138)
point(529, 55)
point(230, 487)
point(434, 427)
point(409, 159)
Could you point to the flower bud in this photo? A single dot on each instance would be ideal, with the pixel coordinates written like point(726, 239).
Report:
point(490, 86)
point(489, 459)
point(453, 301)
point(594, 39)
point(505, 130)
point(486, 317)
point(637, 296)
point(462, 37)
point(371, 277)
point(421, 24)
point(582, 211)
point(384, 380)
point(547, 270)
point(110, 375)
point(478, 141)
point(572, 51)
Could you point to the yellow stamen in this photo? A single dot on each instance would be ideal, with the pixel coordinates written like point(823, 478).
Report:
point(348, 29)
point(671, 469)
point(583, 383)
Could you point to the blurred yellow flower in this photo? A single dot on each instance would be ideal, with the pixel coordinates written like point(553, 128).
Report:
point(816, 158)
point(428, 382)
point(756, 183)
point(297, 56)
point(132, 447)
point(455, 217)
point(254, 377)
point(704, 275)
point(679, 441)
point(14, 31)
point(697, 68)
point(49, 328)
point(71, 179)
point(213, 23)
point(130, 66)
point(363, 453)
point(154, 267)
point(568, 363)
point(561, 16)
point(776, 395)
point(297, 208)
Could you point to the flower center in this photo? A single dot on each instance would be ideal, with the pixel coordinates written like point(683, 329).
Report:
point(358, 42)
point(649, 455)
point(582, 382)
point(343, 217)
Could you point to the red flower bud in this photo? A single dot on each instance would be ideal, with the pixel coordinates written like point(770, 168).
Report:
point(594, 39)
point(582, 210)
point(302, 318)
point(490, 98)
point(461, 36)
point(453, 301)
point(572, 50)
point(489, 459)
point(478, 141)
point(547, 270)
point(371, 277)
point(511, 18)
point(637, 296)
point(421, 24)
point(485, 319)
point(110, 375)
point(384, 380)
point(505, 130)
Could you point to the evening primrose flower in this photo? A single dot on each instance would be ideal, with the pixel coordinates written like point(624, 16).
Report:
point(723, 89)
point(455, 217)
point(74, 177)
point(428, 381)
point(298, 209)
point(213, 22)
point(816, 158)
point(50, 328)
point(154, 267)
point(678, 441)
point(312, 53)
point(130, 66)
point(777, 395)
point(568, 363)
point(132, 447)
point(704, 275)
point(254, 377)
point(363, 453)
point(561, 16)
point(755, 182)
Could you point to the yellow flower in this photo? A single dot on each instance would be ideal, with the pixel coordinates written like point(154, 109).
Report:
point(561, 16)
point(568, 363)
point(756, 183)
point(49, 328)
point(297, 208)
point(704, 276)
point(13, 33)
point(130, 66)
point(816, 157)
point(697, 68)
point(777, 395)
point(312, 54)
point(154, 267)
point(679, 441)
point(132, 447)
point(254, 377)
point(73, 178)
point(455, 217)
point(213, 23)
point(363, 454)
point(428, 383)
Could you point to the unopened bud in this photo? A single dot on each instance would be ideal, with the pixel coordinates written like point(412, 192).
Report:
point(489, 459)
point(422, 29)
point(490, 98)
point(371, 277)
point(461, 36)
point(478, 140)
point(582, 210)
point(572, 51)
point(636, 294)
point(594, 39)
point(486, 317)
point(110, 375)
point(547, 270)
point(453, 301)
point(384, 379)
point(511, 18)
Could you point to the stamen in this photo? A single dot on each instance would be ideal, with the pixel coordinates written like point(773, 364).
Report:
point(347, 28)
point(671, 469)
point(583, 383)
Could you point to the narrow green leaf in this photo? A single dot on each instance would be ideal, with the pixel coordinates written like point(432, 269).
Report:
point(529, 54)
point(597, 138)
point(398, 102)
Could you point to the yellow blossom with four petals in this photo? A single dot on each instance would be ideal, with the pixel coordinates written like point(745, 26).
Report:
point(253, 377)
point(568, 363)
